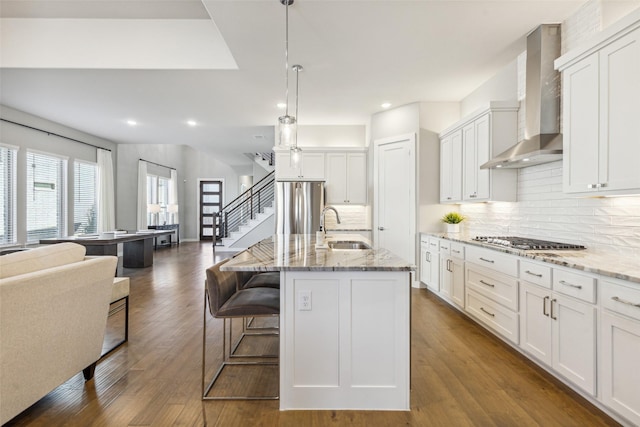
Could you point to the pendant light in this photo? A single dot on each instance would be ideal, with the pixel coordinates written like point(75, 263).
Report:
point(286, 124)
point(294, 152)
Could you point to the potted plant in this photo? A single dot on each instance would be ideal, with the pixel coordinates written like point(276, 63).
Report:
point(453, 220)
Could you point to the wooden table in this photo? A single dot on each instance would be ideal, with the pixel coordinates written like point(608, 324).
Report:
point(137, 248)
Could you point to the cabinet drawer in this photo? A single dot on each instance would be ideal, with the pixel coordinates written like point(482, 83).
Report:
point(457, 250)
point(575, 285)
point(620, 299)
point(444, 246)
point(434, 245)
point(500, 288)
point(492, 259)
point(492, 314)
point(535, 272)
point(424, 239)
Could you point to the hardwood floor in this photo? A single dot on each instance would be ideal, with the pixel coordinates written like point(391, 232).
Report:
point(461, 374)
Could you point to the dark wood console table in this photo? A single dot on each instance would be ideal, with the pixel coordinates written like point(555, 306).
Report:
point(165, 227)
point(137, 248)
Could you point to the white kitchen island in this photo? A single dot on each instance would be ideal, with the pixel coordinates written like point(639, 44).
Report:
point(344, 323)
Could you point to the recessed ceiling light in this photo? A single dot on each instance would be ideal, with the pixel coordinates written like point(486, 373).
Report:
point(386, 105)
point(281, 105)
point(191, 122)
point(132, 122)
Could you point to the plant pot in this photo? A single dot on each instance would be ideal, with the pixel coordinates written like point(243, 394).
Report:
point(453, 228)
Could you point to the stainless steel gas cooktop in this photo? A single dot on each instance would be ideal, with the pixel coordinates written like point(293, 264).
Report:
point(527, 244)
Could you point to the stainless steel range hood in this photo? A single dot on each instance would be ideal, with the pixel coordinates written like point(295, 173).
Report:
point(543, 140)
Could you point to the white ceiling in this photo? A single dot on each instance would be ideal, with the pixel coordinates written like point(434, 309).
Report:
point(356, 55)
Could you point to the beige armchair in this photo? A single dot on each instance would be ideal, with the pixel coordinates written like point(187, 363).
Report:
point(54, 303)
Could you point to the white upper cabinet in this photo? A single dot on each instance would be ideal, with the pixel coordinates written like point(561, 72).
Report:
point(451, 167)
point(471, 142)
point(601, 106)
point(346, 178)
point(310, 166)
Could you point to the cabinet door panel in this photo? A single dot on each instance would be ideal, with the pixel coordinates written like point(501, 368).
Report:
point(456, 166)
point(283, 167)
point(620, 374)
point(469, 163)
point(445, 170)
point(581, 124)
point(312, 165)
point(620, 105)
point(483, 140)
point(574, 341)
point(357, 178)
point(457, 282)
point(336, 178)
point(535, 323)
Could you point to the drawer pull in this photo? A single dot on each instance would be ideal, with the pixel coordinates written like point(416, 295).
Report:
point(487, 260)
point(562, 282)
point(488, 284)
point(533, 274)
point(489, 313)
point(443, 247)
point(618, 299)
point(453, 250)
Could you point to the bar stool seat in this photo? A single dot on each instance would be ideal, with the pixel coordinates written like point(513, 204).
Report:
point(264, 280)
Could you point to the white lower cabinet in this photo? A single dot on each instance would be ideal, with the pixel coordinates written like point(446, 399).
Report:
point(620, 350)
point(452, 273)
point(430, 264)
point(561, 332)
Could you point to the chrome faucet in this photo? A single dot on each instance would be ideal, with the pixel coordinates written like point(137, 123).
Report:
point(327, 208)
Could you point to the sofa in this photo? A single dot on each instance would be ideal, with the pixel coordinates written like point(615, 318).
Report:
point(54, 303)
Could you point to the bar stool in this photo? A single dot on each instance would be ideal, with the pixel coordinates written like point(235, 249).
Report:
point(226, 301)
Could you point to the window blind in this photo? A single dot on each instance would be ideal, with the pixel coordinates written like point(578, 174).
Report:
point(46, 189)
point(85, 213)
point(7, 195)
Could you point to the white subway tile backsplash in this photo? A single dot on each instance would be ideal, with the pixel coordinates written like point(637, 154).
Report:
point(610, 225)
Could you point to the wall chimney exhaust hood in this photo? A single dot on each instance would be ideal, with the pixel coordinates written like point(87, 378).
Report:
point(543, 140)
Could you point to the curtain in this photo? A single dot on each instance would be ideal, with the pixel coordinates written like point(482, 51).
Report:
point(142, 195)
point(173, 194)
point(106, 193)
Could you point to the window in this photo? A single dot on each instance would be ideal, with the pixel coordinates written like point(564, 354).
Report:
point(7, 195)
point(85, 214)
point(158, 194)
point(46, 189)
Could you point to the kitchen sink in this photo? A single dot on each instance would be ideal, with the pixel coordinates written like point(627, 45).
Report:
point(348, 245)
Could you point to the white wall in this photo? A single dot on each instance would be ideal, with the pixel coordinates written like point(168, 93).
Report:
point(25, 139)
point(332, 136)
point(608, 225)
point(501, 87)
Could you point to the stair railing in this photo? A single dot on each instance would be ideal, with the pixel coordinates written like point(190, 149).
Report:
point(247, 205)
point(270, 157)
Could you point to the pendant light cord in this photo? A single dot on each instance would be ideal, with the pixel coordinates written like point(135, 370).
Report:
point(286, 57)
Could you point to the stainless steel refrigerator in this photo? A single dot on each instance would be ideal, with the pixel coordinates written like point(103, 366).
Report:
point(298, 206)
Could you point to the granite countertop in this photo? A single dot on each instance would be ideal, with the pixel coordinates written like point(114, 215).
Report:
point(297, 252)
point(610, 265)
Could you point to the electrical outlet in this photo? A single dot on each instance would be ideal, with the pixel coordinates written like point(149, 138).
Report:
point(304, 300)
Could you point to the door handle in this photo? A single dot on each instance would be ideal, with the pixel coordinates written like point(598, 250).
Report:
point(544, 306)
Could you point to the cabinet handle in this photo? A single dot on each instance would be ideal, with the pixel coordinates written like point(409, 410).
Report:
point(487, 260)
point(381, 228)
point(449, 265)
point(448, 198)
point(428, 256)
point(490, 314)
point(472, 196)
point(443, 247)
point(453, 250)
point(488, 284)
point(602, 185)
point(590, 186)
point(562, 282)
point(618, 299)
point(552, 301)
point(544, 306)
point(533, 274)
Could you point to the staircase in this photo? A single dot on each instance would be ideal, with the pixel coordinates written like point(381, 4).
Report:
point(266, 160)
point(249, 218)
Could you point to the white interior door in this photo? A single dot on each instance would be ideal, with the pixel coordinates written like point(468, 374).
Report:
point(395, 202)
